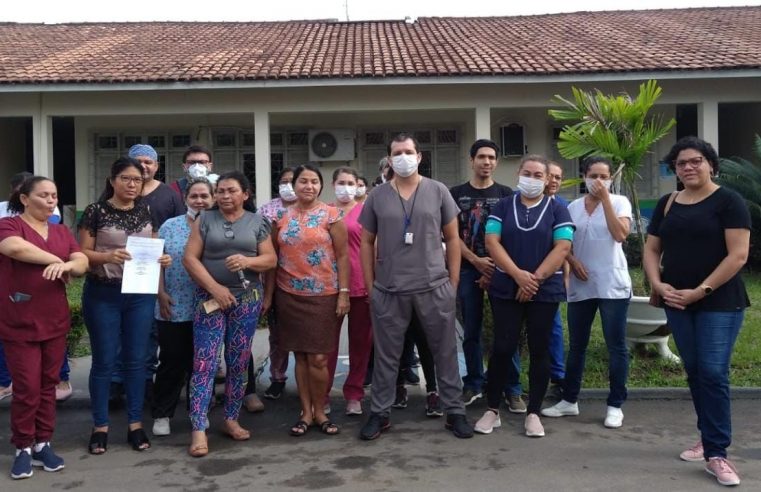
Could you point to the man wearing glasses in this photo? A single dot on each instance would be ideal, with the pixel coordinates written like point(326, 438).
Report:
point(197, 163)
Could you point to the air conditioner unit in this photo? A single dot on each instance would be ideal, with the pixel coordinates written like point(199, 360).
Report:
point(331, 145)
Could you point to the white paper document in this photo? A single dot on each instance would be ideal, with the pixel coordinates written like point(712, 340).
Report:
point(141, 273)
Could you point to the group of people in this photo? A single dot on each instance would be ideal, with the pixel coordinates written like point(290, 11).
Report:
point(398, 261)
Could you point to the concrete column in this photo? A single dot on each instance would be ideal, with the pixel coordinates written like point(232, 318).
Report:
point(483, 122)
point(708, 122)
point(263, 166)
point(42, 143)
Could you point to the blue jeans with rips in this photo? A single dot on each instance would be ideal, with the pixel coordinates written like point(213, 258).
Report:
point(705, 340)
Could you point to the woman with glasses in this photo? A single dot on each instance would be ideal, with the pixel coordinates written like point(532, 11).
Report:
point(229, 246)
point(697, 243)
point(114, 319)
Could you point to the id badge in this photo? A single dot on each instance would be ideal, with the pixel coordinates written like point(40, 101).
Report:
point(408, 238)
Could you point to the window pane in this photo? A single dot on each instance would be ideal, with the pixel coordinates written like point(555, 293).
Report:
point(161, 173)
point(131, 140)
point(276, 166)
point(425, 164)
point(224, 139)
point(375, 138)
point(446, 136)
point(297, 139)
point(180, 141)
point(423, 137)
point(108, 142)
point(276, 140)
point(247, 139)
point(157, 141)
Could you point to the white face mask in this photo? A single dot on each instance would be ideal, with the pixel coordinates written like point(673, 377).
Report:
point(345, 193)
point(192, 213)
point(590, 183)
point(530, 187)
point(285, 190)
point(361, 190)
point(197, 171)
point(404, 165)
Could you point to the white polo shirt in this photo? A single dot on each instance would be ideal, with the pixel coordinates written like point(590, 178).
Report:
point(602, 256)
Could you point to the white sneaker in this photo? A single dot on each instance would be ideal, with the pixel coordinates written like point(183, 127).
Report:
point(615, 418)
point(161, 427)
point(488, 422)
point(561, 409)
point(533, 426)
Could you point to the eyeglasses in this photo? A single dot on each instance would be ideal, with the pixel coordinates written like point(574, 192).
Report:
point(556, 177)
point(190, 163)
point(228, 227)
point(693, 162)
point(130, 179)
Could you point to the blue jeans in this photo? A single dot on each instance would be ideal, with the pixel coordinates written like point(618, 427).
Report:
point(581, 314)
point(114, 319)
point(5, 376)
point(705, 340)
point(471, 299)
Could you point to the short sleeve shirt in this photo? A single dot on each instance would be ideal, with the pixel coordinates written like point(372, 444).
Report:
point(527, 238)
point(602, 256)
point(402, 268)
point(306, 259)
point(693, 244)
point(247, 232)
point(356, 279)
point(164, 204)
point(273, 209)
point(110, 227)
point(177, 283)
point(475, 205)
point(46, 314)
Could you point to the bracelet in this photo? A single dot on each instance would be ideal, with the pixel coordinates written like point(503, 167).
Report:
point(343, 289)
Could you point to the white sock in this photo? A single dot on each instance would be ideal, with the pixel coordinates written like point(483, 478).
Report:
point(38, 447)
point(19, 451)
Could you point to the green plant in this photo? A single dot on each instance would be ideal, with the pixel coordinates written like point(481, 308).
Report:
point(618, 127)
point(744, 177)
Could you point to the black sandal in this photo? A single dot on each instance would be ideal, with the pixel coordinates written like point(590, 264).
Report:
point(98, 440)
point(329, 428)
point(299, 428)
point(137, 438)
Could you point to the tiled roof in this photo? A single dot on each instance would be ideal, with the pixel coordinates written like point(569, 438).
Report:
point(577, 43)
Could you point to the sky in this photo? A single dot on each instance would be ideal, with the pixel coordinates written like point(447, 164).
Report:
point(57, 11)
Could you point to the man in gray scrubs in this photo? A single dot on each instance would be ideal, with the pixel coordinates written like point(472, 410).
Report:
point(406, 272)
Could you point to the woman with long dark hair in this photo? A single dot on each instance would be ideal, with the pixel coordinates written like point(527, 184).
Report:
point(114, 319)
point(229, 246)
point(36, 260)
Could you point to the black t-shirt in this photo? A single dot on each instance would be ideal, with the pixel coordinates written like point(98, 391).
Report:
point(475, 205)
point(693, 245)
point(164, 204)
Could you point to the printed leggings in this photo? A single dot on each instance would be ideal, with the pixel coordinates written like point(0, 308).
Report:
point(235, 328)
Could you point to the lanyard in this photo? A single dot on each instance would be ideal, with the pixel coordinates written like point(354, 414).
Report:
point(407, 218)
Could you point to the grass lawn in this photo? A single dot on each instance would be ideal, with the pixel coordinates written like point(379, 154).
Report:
point(645, 370)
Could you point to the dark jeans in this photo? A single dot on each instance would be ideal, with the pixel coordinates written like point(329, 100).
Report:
point(175, 365)
point(580, 317)
point(471, 299)
point(114, 319)
point(416, 337)
point(509, 318)
point(705, 340)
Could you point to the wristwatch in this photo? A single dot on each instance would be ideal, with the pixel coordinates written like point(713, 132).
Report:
point(707, 289)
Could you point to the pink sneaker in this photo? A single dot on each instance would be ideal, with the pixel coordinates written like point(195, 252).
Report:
point(724, 471)
point(695, 453)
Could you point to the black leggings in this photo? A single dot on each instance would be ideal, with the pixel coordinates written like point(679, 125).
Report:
point(509, 318)
point(416, 336)
point(175, 365)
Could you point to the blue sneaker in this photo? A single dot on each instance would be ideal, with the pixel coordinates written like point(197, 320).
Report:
point(47, 459)
point(22, 466)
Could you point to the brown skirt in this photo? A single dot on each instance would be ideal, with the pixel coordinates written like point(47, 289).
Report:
point(307, 323)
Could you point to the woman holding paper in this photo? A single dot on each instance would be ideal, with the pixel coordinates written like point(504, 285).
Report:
point(229, 246)
point(113, 318)
point(36, 259)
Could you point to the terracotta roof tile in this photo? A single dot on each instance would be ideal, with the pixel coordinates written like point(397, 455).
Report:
point(582, 42)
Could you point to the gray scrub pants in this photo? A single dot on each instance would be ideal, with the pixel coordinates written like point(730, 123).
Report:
point(391, 315)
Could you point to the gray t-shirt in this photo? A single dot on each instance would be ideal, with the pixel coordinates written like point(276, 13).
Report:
point(409, 268)
point(248, 231)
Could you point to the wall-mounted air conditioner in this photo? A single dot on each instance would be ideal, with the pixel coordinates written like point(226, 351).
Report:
point(331, 145)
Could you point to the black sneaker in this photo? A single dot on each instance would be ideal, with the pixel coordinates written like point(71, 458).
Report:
point(433, 405)
point(374, 426)
point(411, 377)
point(469, 396)
point(554, 392)
point(275, 390)
point(401, 397)
point(459, 426)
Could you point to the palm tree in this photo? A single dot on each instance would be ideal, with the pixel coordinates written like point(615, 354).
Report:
point(744, 177)
point(618, 127)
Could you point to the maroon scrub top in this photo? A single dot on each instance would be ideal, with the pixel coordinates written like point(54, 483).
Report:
point(46, 314)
